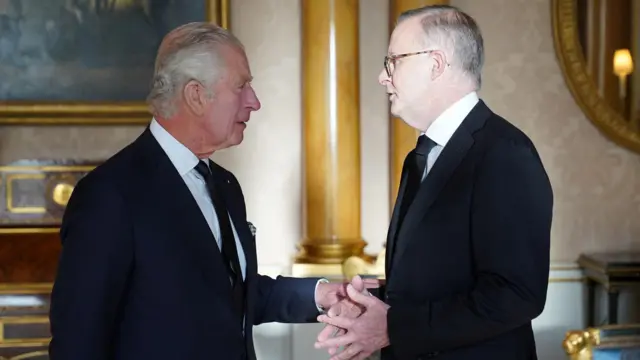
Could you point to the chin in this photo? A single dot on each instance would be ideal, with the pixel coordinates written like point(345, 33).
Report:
point(396, 114)
point(407, 120)
point(237, 134)
point(395, 109)
point(236, 139)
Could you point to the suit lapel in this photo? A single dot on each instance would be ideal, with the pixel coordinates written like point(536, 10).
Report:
point(393, 227)
point(182, 211)
point(442, 170)
point(449, 160)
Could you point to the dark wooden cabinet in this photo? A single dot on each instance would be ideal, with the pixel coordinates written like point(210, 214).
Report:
point(24, 321)
point(612, 271)
point(28, 255)
point(28, 259)
point(33, 196)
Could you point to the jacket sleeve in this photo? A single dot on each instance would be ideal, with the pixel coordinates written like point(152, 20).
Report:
point(286, 300)
point(511, 225)
point(379, 291)
point(93, 269)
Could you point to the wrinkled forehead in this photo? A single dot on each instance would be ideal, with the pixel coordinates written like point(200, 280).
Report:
point(237, 62)
point(407, 37)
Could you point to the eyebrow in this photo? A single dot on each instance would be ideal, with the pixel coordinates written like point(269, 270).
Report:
point(244, 80)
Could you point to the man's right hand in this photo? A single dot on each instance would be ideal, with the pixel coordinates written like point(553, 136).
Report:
point(346, 308)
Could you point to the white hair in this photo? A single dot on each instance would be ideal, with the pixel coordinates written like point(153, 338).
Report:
point(190, 52)
point(456, 31)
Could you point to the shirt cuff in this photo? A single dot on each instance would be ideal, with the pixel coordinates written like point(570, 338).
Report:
point(320, 281)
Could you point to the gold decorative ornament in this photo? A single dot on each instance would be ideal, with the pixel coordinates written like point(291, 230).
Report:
point(579, 343)
point(582, 344)
point(62, 193)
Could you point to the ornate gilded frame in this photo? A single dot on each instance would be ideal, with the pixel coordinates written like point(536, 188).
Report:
point(584, 90)
point(98, 113)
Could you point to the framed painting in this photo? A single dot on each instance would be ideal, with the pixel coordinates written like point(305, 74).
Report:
point(86, 61)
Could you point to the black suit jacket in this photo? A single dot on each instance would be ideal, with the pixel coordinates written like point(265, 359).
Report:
point(467, 270)
point(140, 274)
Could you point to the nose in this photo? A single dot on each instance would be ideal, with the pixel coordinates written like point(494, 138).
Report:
point(383, 78)
point(253, 102)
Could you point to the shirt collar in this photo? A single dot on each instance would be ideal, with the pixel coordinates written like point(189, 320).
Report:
point(442, 129)
point(181, 157)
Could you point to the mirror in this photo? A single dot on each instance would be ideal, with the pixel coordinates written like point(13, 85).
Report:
point(598, 47)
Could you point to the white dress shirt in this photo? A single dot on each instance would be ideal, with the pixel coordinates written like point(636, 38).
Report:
point(442, 129)
point(185, 161)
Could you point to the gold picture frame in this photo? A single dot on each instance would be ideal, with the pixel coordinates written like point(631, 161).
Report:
point(94, 112)
point(573, 65)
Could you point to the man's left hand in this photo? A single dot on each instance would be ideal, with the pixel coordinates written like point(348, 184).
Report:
point(346, 308)
point(329, 294)
point(365, 334)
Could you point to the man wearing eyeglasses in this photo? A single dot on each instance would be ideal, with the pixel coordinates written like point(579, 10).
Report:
point(467, 259)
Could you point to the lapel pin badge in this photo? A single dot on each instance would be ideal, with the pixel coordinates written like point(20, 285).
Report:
point(252, 228)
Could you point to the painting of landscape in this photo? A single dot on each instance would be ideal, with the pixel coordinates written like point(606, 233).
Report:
point(83, 51)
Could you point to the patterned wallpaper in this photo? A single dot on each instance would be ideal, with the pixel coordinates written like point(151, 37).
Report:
point(596, 183)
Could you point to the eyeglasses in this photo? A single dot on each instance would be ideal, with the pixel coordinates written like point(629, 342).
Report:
point(389, 61)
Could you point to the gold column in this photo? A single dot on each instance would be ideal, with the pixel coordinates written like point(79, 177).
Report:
point(402, 136)
point(331, 111)
point(219, 12)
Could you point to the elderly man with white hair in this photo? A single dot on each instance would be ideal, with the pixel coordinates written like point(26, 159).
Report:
point(158, 259)
point(467, 258)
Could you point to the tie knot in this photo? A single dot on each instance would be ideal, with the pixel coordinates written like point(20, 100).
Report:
point(203, 169)
point(424, 145)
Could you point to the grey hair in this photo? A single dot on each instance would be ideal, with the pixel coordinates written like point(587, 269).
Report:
point(189, 52)
point(451, 27)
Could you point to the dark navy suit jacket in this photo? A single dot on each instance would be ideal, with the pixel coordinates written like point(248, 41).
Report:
point(467, 269)
point(140, 275)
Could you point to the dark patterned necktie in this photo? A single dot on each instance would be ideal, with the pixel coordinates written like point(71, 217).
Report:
point(416, 163)
point(229, 249)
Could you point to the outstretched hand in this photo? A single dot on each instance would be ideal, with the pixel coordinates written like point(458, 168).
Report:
point(361, 334)
point(347, 308)
point(329, 294)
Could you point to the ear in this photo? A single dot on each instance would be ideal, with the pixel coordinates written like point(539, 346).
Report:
point(439, 64)
point(195, 98)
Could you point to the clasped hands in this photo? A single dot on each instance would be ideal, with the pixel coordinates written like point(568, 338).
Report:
point(356, 322)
